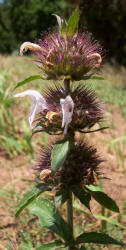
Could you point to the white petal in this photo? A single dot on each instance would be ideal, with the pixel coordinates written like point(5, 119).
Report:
point(67, 105)
point(30, 46)
point(38, 103)
point(59, 20)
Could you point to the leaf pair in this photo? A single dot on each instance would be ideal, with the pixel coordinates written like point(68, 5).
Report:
point(69, 29)
point(84, 195)
point(90, 237)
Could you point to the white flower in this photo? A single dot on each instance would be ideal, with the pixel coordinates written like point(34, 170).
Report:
point(30, 46)
point(67, 105)
point(38, 103)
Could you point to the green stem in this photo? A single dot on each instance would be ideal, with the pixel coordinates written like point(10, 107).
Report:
point(70, 214)
point(67, 86)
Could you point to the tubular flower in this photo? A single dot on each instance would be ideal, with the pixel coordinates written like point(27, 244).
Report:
point(38, 103)
point(65, 56)
point(81, 167)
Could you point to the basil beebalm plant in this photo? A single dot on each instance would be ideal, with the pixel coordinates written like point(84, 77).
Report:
point(69, 168)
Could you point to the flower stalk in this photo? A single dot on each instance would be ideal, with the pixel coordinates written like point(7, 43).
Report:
point(70, 212)
point(69, 166)
point(67, 86)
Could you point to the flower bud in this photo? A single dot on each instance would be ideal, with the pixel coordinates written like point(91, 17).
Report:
point(80, 168)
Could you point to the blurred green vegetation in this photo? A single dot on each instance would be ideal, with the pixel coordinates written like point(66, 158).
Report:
point(106, 20)
point(25, 20)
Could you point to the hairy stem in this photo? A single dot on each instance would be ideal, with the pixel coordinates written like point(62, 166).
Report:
point(67, 86)
point(70, 214)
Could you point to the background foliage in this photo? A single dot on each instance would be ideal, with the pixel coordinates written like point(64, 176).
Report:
point(24, 20)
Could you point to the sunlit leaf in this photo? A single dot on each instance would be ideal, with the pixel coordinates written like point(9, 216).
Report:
point(30, 196)
point(64, 29)
point(27, 80)
point(72, 27)
point(50, 218)
point(97, 78)
point(94, 188)
point(94, 237)
point(59, 154)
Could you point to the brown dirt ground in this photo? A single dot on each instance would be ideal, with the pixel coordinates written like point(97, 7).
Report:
point(18, 178)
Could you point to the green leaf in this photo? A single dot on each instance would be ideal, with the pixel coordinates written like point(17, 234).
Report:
point(61, 197)
point(12, 142)
point(50, 218)
point(29, 79)
point(30, 196)
point(84, 197)
point(50, 246)
point(97, 78)
point(64, 29)
point(59, 154)
point(119, 139)
point(72, 27)
point(109, 220)
point(94, 188)
point(94, 237)
point(104, 200)
point(44, 210)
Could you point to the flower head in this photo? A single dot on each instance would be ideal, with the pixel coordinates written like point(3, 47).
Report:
point(79, 111)
point(80, 168)
point(65, 54)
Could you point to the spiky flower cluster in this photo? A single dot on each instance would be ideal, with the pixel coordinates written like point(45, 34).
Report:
point(80, 168)
point(87, 109)
point(66, 53)
point(70, 58)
